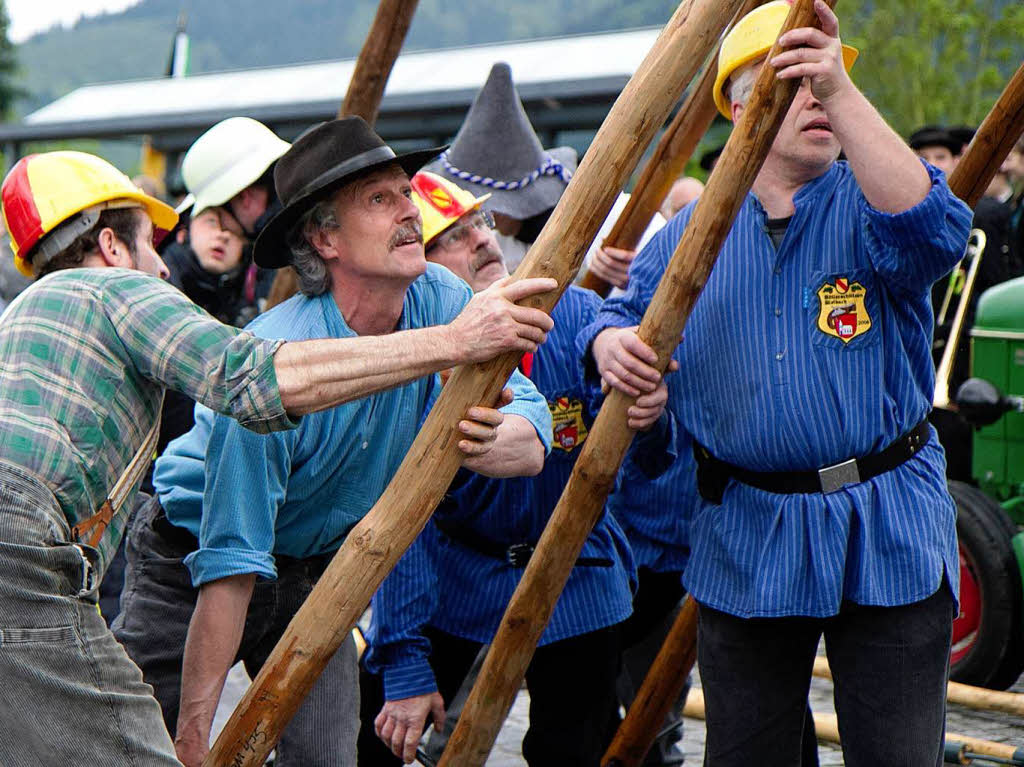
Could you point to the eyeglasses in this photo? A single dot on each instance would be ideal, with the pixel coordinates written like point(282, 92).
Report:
point(459, 235)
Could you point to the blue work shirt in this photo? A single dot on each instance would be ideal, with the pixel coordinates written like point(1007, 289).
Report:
point(445, 584)
point(803, 357)
point(300, 494)
point(654, 511)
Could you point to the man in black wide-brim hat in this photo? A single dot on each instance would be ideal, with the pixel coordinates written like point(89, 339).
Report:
point(230, 509)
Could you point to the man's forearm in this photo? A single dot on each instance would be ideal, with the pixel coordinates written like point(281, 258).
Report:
point(214, 635)
point(887, 170)
point(314, 375)
point(517, 451)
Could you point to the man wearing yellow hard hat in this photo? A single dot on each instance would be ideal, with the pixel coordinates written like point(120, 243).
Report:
point(806, 380)
point(87, 352)
point(462, 570)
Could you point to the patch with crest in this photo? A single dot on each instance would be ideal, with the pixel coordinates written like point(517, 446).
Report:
point(567, 423)
point(842, 311)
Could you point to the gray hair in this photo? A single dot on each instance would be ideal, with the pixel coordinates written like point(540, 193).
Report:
point(310, 267)
point(741, 84)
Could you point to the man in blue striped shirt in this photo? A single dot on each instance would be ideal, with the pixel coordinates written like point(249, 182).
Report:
point(809, 348)
point(230, 509)
point(447, 595)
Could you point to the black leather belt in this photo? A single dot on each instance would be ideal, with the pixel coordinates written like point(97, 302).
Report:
point(713, 474)
point(515, 554)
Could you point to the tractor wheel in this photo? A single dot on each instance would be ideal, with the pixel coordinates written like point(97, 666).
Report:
point(988, 650)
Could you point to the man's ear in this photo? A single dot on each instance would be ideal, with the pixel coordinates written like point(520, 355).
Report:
point(737, 110)
point(319, 238)
point(112, 250)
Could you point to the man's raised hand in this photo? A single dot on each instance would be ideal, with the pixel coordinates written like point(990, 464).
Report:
point(492, 323)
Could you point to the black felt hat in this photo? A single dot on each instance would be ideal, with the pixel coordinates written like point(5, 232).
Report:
point(933, 135)
point(320, 161)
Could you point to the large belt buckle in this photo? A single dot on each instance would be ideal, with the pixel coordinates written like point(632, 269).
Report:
point(518, 554)
point(839, 475)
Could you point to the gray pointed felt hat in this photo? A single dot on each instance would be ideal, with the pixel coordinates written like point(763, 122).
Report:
point(497, 152)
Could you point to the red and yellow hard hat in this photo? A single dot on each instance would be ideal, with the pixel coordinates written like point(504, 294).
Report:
point(441, 203)
point(44, 190)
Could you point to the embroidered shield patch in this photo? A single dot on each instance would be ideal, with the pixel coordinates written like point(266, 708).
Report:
point(842, 311)
point(567, 423)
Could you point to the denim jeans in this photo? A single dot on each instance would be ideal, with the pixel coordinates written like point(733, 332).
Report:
point(156, 607)
point(889, 666)
point(68, 692)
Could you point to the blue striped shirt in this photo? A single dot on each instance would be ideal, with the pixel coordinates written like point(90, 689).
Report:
point(654, 512)
point(298, 493)
point(445, 584)
point(803, 357)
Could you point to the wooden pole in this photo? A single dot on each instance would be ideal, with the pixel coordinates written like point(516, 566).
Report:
point(667, 162)
point(363, 97)
point(993, 141)
point(376, 543)
point(962, 694)
point(661, 688)
point(377, 57)
point(826, 727)
point(583, 500)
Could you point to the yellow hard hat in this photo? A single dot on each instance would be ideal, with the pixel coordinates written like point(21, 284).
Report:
point(441, 203)
point(42, 191)
point(751, 38)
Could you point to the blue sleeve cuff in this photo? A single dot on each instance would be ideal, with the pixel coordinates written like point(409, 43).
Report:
point(656, 449)
point(917, 246)
point(208, 564)
point(414, 677)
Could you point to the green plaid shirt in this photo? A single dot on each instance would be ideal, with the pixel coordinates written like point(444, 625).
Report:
point(84, 357)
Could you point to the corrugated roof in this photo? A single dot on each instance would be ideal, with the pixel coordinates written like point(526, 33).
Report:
point(418, 77)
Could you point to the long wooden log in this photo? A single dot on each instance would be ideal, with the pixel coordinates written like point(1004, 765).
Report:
point(826, 727)
point(661, 688)
point(978, 698)
point(363, 96)
point(667, 162)
point(993, 141)
point(582, 501)
point(377, 57)
point(376, 543)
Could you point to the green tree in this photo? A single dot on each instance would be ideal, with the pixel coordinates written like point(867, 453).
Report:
point(9, 92)
point(933, 61)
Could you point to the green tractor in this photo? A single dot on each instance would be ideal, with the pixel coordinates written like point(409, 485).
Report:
point(988, 634)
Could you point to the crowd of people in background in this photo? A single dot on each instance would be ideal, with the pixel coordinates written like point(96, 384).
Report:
point(234, 526)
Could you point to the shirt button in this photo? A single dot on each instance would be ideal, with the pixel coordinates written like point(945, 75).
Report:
point(778, 312)
point(778, 270)
point(779, 356)
point(366, 445)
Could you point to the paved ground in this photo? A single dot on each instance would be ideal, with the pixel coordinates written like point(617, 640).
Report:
point(1002, 728)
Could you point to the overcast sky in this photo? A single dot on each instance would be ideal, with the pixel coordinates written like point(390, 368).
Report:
point(31, 16)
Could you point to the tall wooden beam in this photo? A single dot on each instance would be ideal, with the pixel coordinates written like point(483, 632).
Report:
point(377, 542)
point(667, 162)
point(582, 502)
point(377, 57)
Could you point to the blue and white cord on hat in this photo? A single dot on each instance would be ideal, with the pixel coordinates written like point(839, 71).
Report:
point(550, 167)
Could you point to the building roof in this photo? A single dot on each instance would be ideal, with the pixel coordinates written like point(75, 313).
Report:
point(426, 97)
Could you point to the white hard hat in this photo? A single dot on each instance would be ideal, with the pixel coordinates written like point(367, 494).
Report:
point(230, 156)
